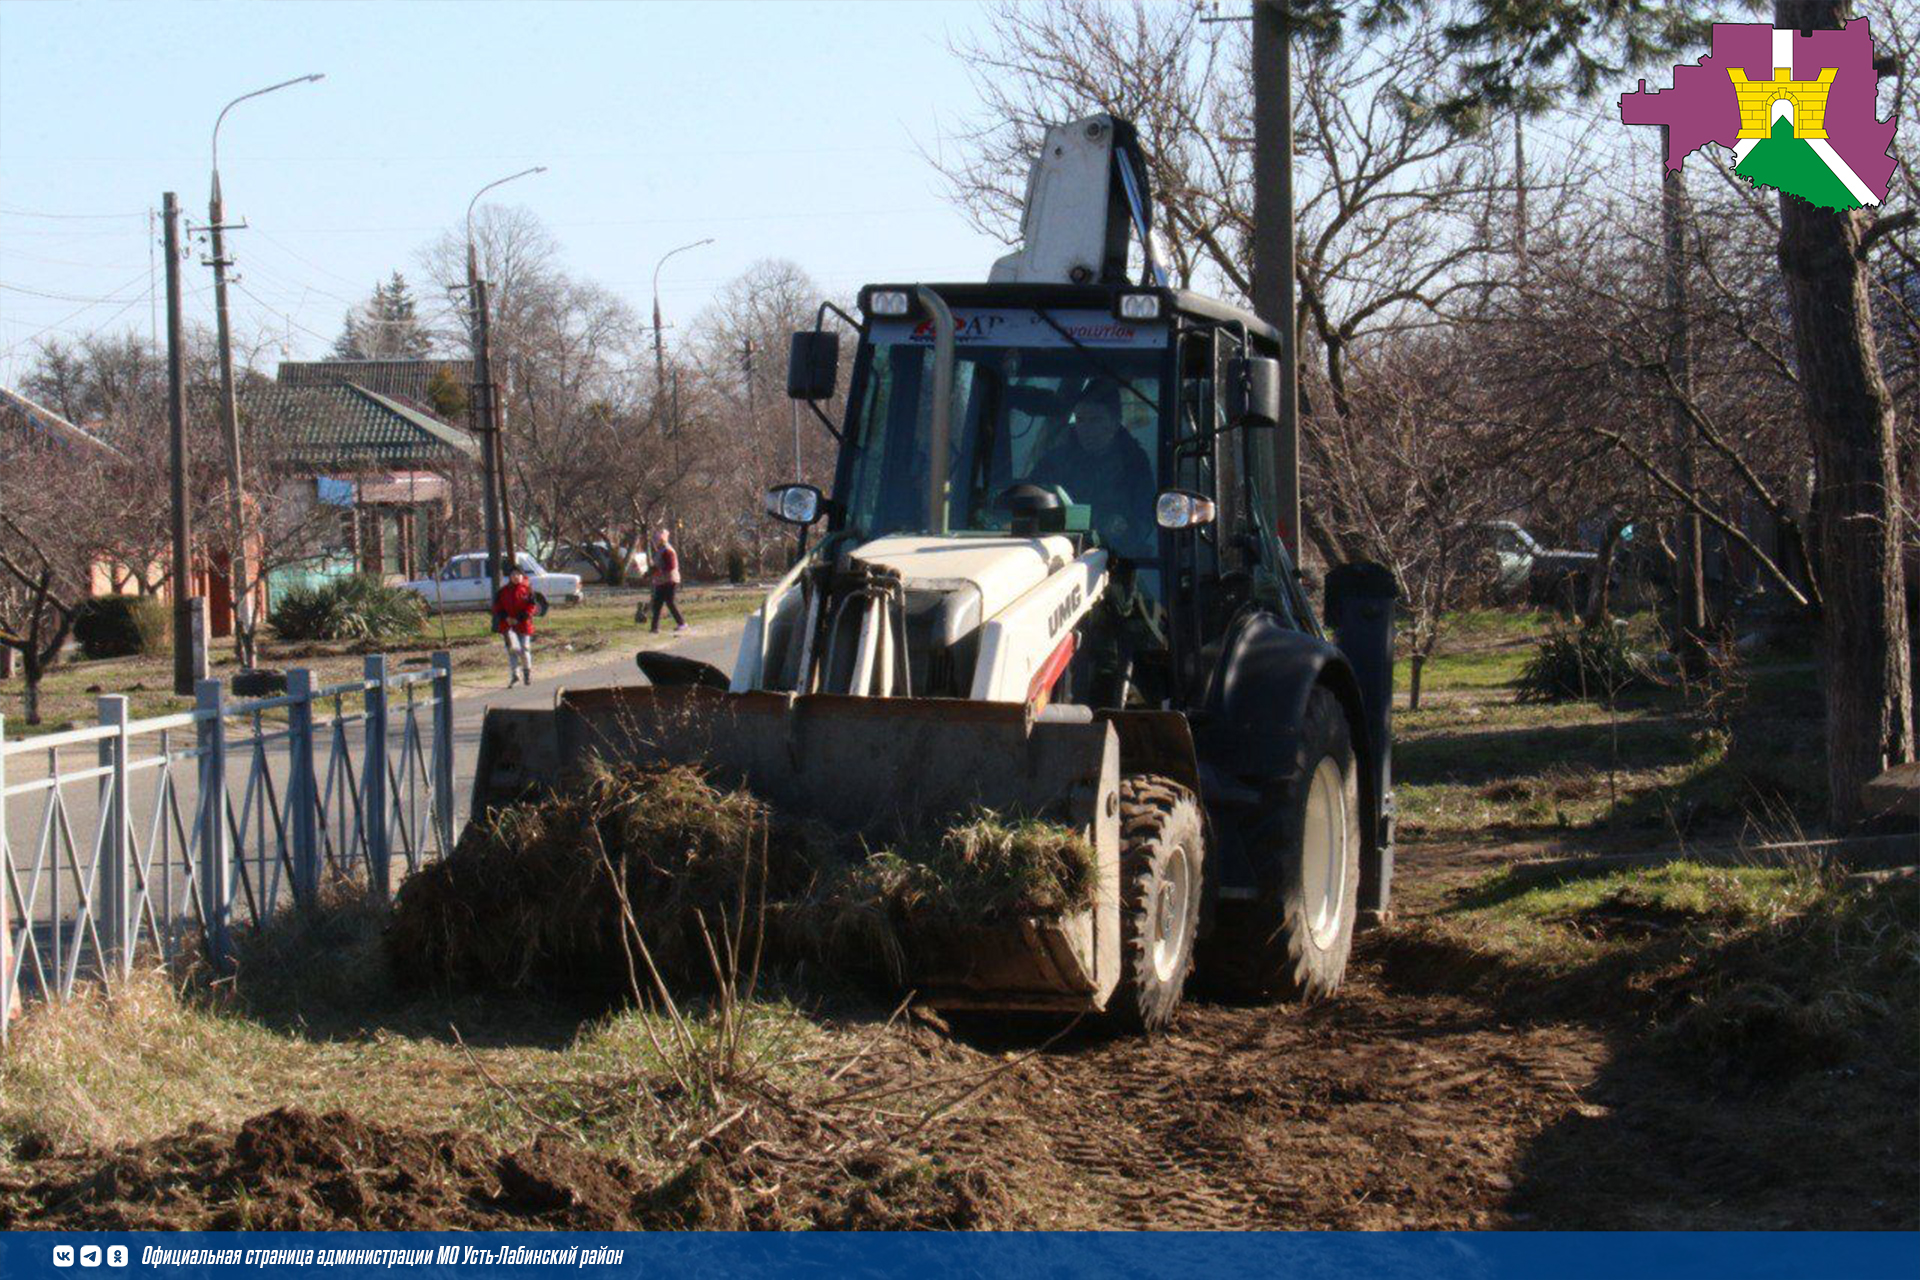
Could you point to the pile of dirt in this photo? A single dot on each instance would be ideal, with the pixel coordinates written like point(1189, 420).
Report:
point(292, 1170)
point(552, 893)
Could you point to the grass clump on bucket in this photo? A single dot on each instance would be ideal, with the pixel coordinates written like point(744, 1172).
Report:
point(554, 893)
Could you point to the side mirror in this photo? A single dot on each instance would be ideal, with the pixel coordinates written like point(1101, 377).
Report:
point(1250, 391)
point(800, 504)
point(813, 365)
point(1183, 509)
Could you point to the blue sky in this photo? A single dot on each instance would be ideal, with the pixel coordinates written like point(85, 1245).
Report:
point(786, 129)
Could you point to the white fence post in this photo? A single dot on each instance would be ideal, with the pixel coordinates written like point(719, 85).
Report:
point(115, 904)
point(373, 785)
point(303, 830)
point(443, 749)
point(8, 1000)
point(216, 858)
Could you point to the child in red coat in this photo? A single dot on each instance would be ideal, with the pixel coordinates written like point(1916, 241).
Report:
point(513, 611)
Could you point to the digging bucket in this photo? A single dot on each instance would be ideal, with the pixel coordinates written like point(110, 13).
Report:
point(871, 766)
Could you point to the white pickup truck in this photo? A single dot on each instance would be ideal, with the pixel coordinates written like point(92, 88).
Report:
point(462, 584)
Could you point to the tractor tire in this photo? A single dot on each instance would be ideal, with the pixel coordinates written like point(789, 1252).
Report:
point(1293, 940)
point(1162, 860)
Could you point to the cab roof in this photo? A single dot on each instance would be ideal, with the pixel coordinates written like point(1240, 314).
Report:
point(1099, 297)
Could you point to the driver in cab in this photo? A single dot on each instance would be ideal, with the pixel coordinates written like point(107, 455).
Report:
point(1103, 466)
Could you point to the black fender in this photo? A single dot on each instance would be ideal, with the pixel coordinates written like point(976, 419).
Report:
point(1247, 736)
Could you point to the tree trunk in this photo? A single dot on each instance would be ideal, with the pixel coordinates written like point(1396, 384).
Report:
point(30, 692)
point(1600, 588)
point(1415, 666)
point(1849, 411)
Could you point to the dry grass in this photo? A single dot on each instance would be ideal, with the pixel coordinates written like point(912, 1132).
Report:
point(544, 894)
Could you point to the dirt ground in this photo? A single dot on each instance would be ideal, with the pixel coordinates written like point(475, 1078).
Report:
point(1408, 1102)
point(1425, 1096)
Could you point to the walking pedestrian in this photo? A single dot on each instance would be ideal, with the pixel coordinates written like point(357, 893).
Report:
point(665, 577)
point(513, 611)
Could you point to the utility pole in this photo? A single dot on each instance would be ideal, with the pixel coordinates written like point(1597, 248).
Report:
point(243, 624)
point(184, 673)
point(481, 419)
point(1273, 247)
point(1520, 194)
point(1690, 621)
point(230, 424)
point(483, 409)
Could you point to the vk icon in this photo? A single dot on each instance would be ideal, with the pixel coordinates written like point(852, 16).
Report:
point(89, 1255)
point(63, 1255)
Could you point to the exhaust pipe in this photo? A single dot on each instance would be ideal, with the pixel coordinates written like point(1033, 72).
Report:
point(942, 424)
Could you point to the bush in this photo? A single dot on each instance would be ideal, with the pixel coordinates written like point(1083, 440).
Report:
point(1585, 664)
point(122, 626)
point(736, 566)
point(352, 608)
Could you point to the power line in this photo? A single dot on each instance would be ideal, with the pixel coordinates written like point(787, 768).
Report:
point(65, 297)
point(65, 217)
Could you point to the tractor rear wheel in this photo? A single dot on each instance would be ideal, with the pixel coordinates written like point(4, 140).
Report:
point(1162, 858)
point(1293, 940)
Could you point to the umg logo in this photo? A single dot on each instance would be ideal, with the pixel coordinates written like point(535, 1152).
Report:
point(1064, 612)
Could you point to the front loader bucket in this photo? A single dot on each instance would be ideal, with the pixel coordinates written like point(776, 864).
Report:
point(871, 766)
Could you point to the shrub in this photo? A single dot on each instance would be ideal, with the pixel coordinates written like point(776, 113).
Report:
point(352, 608)
point(122, 626)
point(1589, 663)
point(736, 566)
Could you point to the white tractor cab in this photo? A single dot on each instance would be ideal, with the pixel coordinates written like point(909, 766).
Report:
point(1049, 579)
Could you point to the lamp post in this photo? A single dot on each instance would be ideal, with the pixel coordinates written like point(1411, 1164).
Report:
point(229, 406)
point(659, 338)
point(483, 407)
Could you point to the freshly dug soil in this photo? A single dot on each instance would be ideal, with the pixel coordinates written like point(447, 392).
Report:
point(291, 1170)
point(560, 893)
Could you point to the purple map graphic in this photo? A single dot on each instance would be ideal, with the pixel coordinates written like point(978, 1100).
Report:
point(1702, 107)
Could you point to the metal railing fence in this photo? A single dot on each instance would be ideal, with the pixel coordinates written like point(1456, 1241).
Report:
point(182, 829)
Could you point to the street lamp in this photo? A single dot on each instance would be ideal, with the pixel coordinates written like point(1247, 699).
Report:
point(659, 340)
point(482, 403)
point(229, 407)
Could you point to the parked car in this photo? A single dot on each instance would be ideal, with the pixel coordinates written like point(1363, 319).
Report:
point(462, 584)
point(1519, 564)
point(595, 559)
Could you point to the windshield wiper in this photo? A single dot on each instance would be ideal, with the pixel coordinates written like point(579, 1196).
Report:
point(1099, 360)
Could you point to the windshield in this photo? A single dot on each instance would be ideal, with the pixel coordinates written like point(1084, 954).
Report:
point(1028, 406)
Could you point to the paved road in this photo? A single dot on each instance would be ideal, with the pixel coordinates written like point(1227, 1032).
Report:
point(717, 644)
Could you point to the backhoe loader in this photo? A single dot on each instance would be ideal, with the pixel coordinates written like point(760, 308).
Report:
point(1047, 579)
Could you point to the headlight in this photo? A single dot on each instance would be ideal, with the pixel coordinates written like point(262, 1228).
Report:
point(1138, 306)
point(888, 302)
point(1179, 509)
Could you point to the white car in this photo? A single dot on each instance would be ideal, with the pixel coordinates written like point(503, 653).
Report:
point(462, 583)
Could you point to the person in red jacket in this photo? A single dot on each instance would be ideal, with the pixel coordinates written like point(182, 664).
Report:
point(513, 611)
point(665, 576)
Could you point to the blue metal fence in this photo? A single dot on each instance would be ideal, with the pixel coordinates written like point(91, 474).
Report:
point(182, 829)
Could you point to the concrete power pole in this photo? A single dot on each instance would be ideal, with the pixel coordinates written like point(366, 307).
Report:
point(480, 417)
point(230, 425)
point(184, 672)
point(229, 408)
point(1273, 247)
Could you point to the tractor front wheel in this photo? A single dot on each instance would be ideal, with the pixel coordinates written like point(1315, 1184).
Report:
point(1162, 853)
point(1294, 939)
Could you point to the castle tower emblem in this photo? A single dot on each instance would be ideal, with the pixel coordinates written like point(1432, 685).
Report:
point(1807, 98)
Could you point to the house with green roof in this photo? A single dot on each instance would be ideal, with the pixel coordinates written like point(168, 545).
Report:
point(395, 471)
